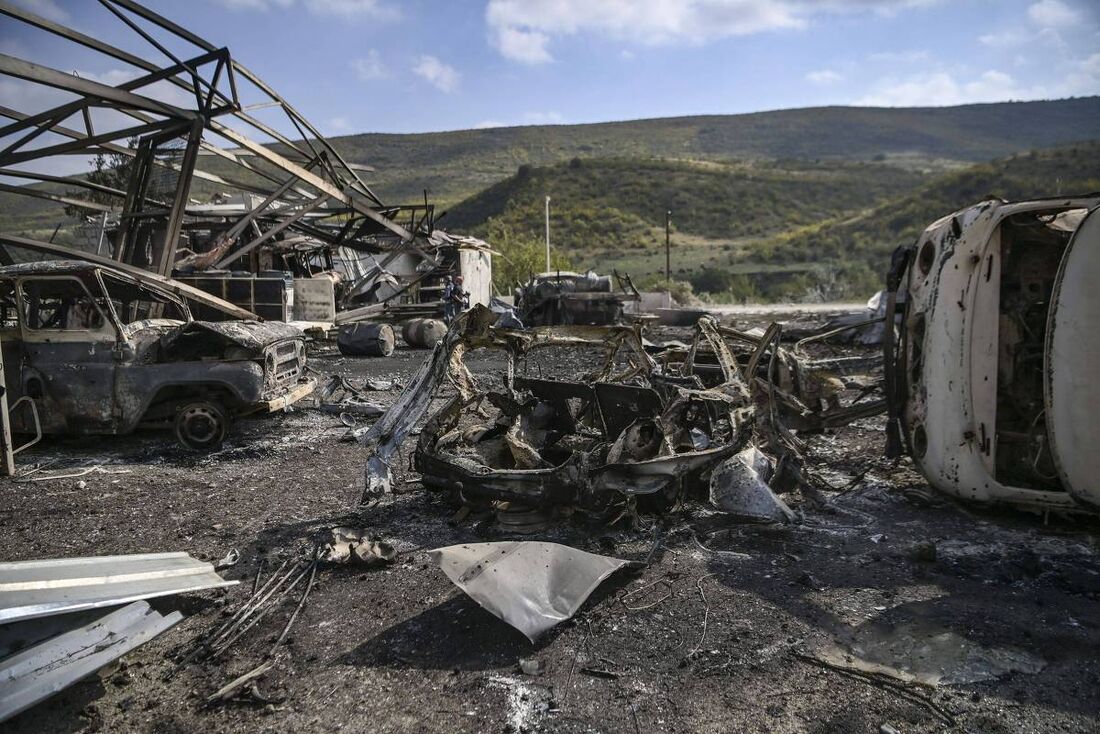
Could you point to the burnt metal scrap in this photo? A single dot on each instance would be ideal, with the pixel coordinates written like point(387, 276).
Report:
point(214, 177)
point(633, 432)
point(561, 298)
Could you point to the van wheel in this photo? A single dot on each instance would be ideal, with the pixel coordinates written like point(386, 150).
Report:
point(201, 425)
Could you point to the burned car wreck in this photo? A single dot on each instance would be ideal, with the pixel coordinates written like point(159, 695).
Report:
point(562, 298)
point(992, 384)
point(634, 433)
point(100, 351)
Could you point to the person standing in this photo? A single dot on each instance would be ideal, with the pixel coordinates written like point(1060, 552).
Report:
point(448, 305)
point(459, 299)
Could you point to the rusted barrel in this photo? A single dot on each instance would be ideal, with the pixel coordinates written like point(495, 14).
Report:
point(364, 339)
point(423, 332)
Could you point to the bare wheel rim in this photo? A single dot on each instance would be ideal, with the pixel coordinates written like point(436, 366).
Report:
point(201, 424)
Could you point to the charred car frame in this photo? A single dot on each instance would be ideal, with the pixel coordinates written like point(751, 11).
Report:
point(101, 351)
point(633, 433)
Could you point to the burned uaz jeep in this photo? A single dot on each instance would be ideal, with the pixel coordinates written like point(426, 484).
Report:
point(101, 351)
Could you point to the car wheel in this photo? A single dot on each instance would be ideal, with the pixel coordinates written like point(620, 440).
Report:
point(201, 425)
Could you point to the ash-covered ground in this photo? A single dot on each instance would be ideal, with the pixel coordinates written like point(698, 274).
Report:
point(716, 635)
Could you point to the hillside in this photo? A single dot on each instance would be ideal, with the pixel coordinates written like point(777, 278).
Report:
point(871, 236)
point(763, 231)
point(455, 165)
point(603, 207)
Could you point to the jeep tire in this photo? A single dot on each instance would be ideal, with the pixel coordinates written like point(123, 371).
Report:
point(201, 425)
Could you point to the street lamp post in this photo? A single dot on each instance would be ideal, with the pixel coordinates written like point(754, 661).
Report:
point(668, 249)
point(548, 234)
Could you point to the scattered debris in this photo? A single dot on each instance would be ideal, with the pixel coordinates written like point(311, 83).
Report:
point(353, 545)
point(532, 586)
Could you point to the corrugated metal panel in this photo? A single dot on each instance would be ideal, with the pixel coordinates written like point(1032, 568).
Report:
point(41, 671)
point(30, 589)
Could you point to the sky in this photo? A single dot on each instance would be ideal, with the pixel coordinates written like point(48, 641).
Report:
point(405, 66)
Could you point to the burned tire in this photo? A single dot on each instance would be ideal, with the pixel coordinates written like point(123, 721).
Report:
point(201, 425)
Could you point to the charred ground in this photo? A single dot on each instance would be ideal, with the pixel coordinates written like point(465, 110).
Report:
point(708, 638)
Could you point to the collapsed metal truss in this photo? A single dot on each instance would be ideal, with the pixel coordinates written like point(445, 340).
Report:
point(186, 113)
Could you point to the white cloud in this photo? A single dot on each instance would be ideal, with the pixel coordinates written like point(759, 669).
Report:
point(528, 47)
point(48, 9)
point(527, 118)
point(824, 77)
point(346, 9)
point(522, 29)
point(900, 57)
point(255, 4)
point(1053, 14)
point(440, 75)
point(1003, 39)
point(339, 125)
point(542, 118)
point(941, 89)
point(351, 8)
point(369, 67)
point(1084, 79)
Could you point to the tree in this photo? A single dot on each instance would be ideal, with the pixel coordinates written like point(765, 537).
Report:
point(520, 257)
point(108, 169)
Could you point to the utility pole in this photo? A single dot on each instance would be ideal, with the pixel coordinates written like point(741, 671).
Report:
point(548, 234)
point(668, 249)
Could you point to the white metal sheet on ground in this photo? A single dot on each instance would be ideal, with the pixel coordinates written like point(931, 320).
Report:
point(30, 589)
point(51, 666)
point(1072, 359)
point(530, 585)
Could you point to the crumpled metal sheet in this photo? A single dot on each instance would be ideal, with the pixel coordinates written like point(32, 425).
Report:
point(30, 589)
point(739, 486)
point(40, 671)
point(532, 586)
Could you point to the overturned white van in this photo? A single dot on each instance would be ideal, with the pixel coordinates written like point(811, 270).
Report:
point(994, 381)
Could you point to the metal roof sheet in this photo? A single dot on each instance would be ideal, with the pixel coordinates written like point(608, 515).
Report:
point(30, 589)
point(40, 671)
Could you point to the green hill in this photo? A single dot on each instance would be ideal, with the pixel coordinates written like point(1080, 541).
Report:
point(605, 207)
point(765, 230)
point(782, 204)
point(872, 235)
point(454, 165)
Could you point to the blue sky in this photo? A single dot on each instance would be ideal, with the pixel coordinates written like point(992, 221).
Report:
point(425, 65)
